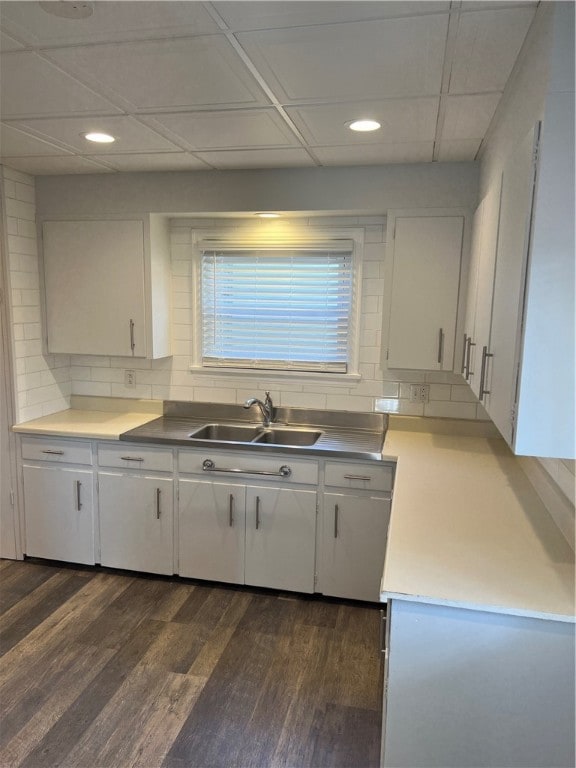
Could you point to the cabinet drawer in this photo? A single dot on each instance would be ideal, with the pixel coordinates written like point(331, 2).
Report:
point(251, 467)
point(54, 449)
point(369, 477)
point(131, 456)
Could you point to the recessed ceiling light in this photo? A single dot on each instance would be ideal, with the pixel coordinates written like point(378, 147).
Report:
point(267, 215)
point(99, 138)
point(364, 125)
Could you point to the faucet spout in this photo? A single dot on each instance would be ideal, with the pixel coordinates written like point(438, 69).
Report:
point(266, 408)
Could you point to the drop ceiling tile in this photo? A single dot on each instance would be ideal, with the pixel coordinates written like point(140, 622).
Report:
point(113, 20)
point(258, 158)
point(8, 43)
point(161, 161)
point(130, 134)
point(197, 72)
point(271, 15)
point(54, 166)
point(367, 59)
point(487, 45)
point(458, 150)
point(376, 154)
point(402, 120)
point(33, 87)
point(233, 129)
point(468, 117)
point(14, 142)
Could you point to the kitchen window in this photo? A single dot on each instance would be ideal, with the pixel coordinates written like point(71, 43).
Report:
point(278, 307)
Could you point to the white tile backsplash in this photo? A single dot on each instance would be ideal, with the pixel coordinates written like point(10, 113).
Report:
point(43, 383)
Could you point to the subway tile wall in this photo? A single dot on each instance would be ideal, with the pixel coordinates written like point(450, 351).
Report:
point(43, 383)
point(173, 379)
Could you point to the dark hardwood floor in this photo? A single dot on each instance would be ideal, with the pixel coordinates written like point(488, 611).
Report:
point(103, 669)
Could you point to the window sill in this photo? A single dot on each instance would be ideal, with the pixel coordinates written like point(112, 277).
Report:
point(334, 379)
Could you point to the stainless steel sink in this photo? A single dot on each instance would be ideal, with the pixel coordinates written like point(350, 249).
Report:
point(235, 433)
point(289, 437)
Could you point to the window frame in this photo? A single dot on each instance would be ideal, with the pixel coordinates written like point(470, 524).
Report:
point(302, 239)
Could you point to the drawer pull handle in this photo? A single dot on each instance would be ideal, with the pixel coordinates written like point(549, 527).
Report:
point(463, 366)
point(231, 511)
point(158, 504)
point(53, 453)
point(78, 499)
point(132, 342)
point(357, 477)
point(336, 511)
point(131, 458)
point(257, 512)
point(209, 466)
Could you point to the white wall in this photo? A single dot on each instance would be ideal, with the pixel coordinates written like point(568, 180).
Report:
point(172, 379)
point(42, 381)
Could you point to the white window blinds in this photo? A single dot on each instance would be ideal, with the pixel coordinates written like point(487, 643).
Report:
point(284, 308)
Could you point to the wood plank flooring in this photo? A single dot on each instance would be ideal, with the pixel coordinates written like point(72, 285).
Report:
point(105, 669)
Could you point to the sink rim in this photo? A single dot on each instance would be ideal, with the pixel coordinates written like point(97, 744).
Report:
point(261, 438)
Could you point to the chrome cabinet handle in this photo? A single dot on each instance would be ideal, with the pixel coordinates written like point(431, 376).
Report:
point(132, 342)
point(53, 453)
point(464, 348)
point(231, 511)
point(158, 504)
point(440, 345)
point(468, 350)
point(78, 499)
point(357, 477)
point(336, 511)
point(485, 356)
point(131, 458)
point(209, 466)
point(383, 631)
point(257, 512)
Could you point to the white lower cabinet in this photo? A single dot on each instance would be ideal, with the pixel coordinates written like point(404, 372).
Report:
point(259, 535)
point(354, 540)
point(241, 518)
point(136, 522)
point(59, 513)
point(280, 538)
point(211, 530)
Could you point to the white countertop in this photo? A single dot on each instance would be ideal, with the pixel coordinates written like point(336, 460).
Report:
point(106, 425)
point(468, 530)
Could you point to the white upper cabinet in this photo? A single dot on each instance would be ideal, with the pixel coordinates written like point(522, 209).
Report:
point(426, 270)
point(521, 361)
point(107, 286)
point(481, 285)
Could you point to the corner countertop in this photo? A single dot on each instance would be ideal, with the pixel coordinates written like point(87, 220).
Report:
point(468, 530)
point(104, 425)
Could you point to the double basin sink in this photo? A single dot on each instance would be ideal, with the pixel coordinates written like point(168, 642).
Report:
point(236, 433)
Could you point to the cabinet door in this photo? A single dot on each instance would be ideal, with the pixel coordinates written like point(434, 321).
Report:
point(136, 522)
point(425, 283)
point(59, 514)
point(353, 545)
point(94, 277)
point(211, 530)
point(485, 283)
point(501, 369)
point(280, 538)
point(472, 292)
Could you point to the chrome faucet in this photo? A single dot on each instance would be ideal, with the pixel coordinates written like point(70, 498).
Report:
point(266, 408)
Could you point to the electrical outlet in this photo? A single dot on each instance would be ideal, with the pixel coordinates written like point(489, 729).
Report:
point(130, 379)
point(419, 393)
